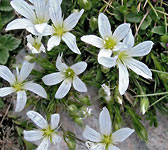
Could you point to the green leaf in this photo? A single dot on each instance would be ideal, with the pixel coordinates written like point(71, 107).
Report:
point(6, 17)
point(146, 23)
point(4, 54)
point(9, 43)
point(134, 17)
point(1, 104)
point(5, 5)
point(159, 30)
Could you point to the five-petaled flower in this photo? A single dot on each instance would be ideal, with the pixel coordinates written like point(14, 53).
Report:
point(123, 59)
point(105, 140)
point(69, 76)
point(34, 44)
point(60, 28)
point(19, 85)
point(109, 42)
point(46, 134)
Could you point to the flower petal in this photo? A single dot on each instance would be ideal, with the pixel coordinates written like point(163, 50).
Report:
point(63, 89)
point(53, 78)
point(105, 122)
point(21, 101)
point(139, 68)
point(112, 147)
point(47, 31)
point(55, 118)
point(129, 40)
point(121, 31)
point(6, 91)
point(33, 135)
point(40, 27)
point(91, 135)
point(79, 85)
point(25, 70)
point(141, 49)
point(35, 88)
point(37, 119)
point(44, 144)
point(18, 24)
point(53, 41)
point(56, 139)
point(123, 78)
point(7, 75)
point(70, 40)
point(108, 61)
point(55, 12)
point(95, 146)
point(104, 53)
point(104, 26)
point(93, 40)
point(60, 66)
point(24, 9)
point(79, 67)
point(72, 20)
point(122, 134)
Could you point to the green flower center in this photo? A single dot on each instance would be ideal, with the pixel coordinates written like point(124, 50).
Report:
point(69, 73)
point(18, 86)
point(36, 45)
point(39, 21)
point(59, 30)
point(48, 132)
point(110, 43)
point(107, 140)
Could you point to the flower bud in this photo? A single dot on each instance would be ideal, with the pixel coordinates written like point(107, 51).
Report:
point(105, 69)
point(86, 4)
point(144, 105)
point(72, 108)
point(93, 23)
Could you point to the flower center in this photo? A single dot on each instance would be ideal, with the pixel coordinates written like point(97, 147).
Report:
point(17, 86)
point(69, 73)
point(59, 30)
point(36, 45)
point(107, 140)
point(110, 43)
point(48, 132)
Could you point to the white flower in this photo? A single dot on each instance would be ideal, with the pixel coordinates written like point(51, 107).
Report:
point(69, 76)
point(34, 44)
point(60, 28)
point(106, 91)
point(105, 140)
point(19, 85)
point(109, 42)
point(36, 17)
point(46, 134)
point(123, 59)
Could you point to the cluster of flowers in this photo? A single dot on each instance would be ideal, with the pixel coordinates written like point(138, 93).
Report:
point(116, 49)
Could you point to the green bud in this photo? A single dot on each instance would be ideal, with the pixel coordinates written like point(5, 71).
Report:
point(85, 100)
point(86, 4)
point(105, 69)
point(79, 121)
point(144, 105)
point(93, 23)
point(71, 144)
point(72, 108)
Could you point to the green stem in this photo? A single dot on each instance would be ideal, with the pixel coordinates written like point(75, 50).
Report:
point(159, 71)
point(150, 4)
point(158, 100)
point(154, 94)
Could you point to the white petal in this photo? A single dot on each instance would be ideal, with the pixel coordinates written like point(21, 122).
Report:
point(112, 147)
point(24, 9)
point(70, 40)
point(32, 30)
point(44, 144)
point(121, 31)
point(18, 24)
point(139, 68)
point(30, 39)
point(91, 135)
point(79, 67)
point(104, 53)
point(122, 134)
point(25, 70)
point(129, 40)
point(53, 78)
point(56, 139)
point(72, 20)
point(7, 75)
point(33, 135)
point(55, 12)
point(63, 89)
point(141, 49)
point(21, 101)
point(95, 146)
point(55, 118)
point(104, 26)
point(93, 40)
point(108, 61)
point(37, 119)
point(123, 78)
point(47, 31)
point(60, 66)
point(35, 88)
point(6, 91)
point(105, 122)
point(79, 85)
point(53, 41)
point(40, 27)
